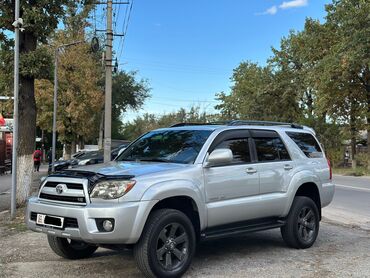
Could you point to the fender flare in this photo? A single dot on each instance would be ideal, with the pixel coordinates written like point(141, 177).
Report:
point(169, 189)
point(296, 182)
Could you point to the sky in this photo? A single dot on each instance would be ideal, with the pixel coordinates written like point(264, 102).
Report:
point(187, 50)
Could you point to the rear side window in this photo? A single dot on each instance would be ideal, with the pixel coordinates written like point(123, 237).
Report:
point(239, 148)
point(270, 149)
point(307, 143)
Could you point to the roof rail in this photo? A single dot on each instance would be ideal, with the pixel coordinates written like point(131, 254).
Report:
point(247, 122)
point(187, 124)
point(241, 122)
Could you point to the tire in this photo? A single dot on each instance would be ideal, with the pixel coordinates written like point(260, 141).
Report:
point(157, 253)
point(302, 224)
point(70, 249)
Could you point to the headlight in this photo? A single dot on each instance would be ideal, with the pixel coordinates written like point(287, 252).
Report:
point(111, 189)
point(83, 162)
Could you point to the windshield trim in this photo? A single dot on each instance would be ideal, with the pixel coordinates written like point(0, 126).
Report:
point(210, 132)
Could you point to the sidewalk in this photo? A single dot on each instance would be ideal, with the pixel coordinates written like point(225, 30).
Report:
point(6, 184)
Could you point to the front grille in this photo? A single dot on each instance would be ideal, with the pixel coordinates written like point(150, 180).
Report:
point(66, 192)
point(62, 198)
point(69, 222)
point(69, 185)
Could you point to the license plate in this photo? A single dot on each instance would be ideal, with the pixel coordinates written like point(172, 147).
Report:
point(48, 220)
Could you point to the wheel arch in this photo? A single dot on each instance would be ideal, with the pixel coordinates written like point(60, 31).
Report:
point(303, 183)
point(184, 204)
point(310, 190)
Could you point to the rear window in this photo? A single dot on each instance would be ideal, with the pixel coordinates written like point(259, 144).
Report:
point(307, 143)
point(270, 149)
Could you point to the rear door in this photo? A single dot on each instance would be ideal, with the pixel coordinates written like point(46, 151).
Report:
point(275, 169)
point(228, 187)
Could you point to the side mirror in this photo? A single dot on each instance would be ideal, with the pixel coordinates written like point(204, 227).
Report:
point(219, 157)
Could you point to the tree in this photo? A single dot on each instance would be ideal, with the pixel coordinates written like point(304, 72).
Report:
point(127, 93)
point(80, 94)
point(257, 95)
point(40, 19)
point(148, 122)
point(348, 62)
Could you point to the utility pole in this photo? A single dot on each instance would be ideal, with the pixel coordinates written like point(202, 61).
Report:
point(108, 86)
point(54, 141)
point(17, 24)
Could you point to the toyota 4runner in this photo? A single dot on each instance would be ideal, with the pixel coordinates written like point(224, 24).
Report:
point(174, 187)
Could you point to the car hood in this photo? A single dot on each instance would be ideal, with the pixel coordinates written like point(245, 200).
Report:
point(116, 168)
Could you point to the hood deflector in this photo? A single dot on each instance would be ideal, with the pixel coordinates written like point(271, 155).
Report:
point(92, 177)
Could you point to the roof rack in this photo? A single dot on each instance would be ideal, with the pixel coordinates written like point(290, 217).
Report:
point(247, 122)
point(188, 124)
point(242, 122)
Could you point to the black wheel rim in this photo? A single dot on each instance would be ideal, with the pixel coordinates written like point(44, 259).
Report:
point(306, 224)
point(172, 246)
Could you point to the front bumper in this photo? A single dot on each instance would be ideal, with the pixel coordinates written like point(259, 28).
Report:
point(129, 219)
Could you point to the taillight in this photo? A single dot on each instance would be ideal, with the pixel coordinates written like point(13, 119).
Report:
point(330, 170)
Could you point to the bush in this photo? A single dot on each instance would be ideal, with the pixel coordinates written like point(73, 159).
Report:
point(362, 159)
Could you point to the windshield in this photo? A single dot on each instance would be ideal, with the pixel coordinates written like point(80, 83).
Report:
point(177, 146)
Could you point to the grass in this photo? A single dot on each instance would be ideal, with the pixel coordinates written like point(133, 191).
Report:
point(16, 225)
point(359, 171)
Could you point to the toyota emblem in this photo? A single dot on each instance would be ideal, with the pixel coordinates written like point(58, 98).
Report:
point(60, 188)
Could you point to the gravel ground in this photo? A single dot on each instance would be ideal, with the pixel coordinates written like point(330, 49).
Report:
point(338, 252)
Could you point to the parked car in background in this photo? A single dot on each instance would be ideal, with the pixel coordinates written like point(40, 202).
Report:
point(86, 157)
point(117, 151)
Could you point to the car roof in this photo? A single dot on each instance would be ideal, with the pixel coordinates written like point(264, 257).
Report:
point(220, 127)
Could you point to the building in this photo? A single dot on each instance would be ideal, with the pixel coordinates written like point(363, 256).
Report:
point(6, 141)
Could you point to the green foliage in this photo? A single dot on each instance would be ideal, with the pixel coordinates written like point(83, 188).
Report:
point(319, 77)
point(40, 19)
point(36, 64)
point(127, 93)
point(257, 94)
point(362, 160)
point(148, 122)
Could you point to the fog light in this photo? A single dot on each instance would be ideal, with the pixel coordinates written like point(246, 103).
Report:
point(107, 225)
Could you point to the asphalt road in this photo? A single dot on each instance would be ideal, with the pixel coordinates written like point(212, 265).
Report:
point(351, 203)
point(5, 186)
point(338, 252)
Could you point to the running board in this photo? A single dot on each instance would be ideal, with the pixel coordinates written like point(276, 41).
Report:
point(240, 228)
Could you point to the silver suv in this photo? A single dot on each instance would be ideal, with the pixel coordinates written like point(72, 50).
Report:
point(174, 187)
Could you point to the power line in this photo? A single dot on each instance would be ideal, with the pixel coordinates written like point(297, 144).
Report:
point(126, 28)
point(119, 50)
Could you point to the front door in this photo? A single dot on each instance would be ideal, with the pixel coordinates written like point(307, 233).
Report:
point(229, 187)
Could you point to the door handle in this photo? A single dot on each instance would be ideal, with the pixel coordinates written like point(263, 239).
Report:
point(288, 167)
point(251, 171)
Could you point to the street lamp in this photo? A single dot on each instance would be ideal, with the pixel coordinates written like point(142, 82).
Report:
point(56, 54)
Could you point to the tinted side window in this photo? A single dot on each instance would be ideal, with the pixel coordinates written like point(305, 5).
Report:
point(239, 148)
point(307, 143)
point(270, 149)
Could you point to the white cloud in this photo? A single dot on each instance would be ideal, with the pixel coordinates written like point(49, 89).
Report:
point(293, 4)
point(283, 6)
point(271, 11)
